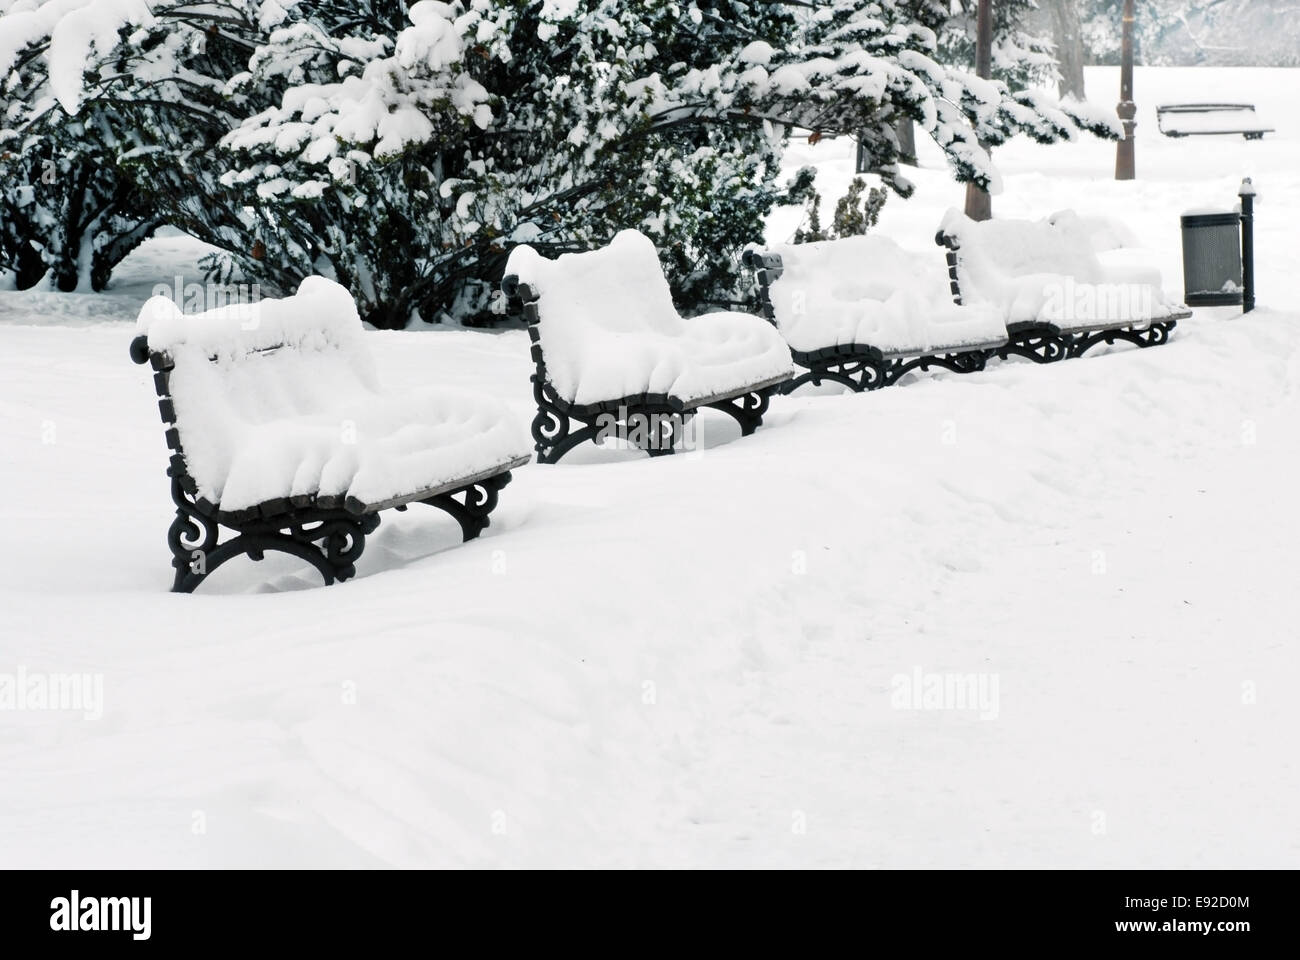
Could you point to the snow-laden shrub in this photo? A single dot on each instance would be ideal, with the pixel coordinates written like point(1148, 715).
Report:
point(67, 211)
point(854, 214)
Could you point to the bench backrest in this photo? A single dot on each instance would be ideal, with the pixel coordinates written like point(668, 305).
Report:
point(993, 250)
point(243, 367)
point(596, 308)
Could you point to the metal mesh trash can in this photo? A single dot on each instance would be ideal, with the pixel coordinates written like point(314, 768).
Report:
point(1212, 259)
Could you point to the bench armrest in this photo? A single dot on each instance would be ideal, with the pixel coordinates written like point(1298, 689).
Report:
point(140, 349)
point(947, 240)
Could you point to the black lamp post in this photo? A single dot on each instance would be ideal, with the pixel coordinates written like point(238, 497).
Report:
point(1247, 196)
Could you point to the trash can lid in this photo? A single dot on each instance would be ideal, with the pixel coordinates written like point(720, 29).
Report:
point(1204, 217)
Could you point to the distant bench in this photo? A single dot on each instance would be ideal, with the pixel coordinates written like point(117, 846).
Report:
point(1208, 119)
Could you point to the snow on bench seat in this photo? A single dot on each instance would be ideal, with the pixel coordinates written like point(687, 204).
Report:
point(279, 400)
point(870, 291)
point(609, 330)
point(1049, 272)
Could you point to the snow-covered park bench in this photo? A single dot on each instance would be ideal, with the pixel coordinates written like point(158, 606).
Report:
point(1063, 284)
point(862, 312)
point(613, 355)
point(1208, 119)
point(279, 432)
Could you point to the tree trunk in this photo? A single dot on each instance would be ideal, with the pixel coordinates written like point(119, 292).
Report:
point(979, 205)
point(1068, 37)
point(1125, 164)
point(30, 268)
point(906, 142)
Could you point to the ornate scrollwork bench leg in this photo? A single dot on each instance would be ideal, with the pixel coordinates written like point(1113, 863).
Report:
point(858, 373)
point(1040, 346)
point(747, 409)
point(964, 361)
point(655, 429)
point(651, 423)
point(552, 428)
point(329, 540)
point(1154, 335)
point(478, 500)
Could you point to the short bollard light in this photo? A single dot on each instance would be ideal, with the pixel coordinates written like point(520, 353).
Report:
point(1219, 255)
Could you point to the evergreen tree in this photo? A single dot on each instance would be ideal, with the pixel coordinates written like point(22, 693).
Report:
point(855, 214)
point(403, 151)
point(67, 212)
point(1021, 58)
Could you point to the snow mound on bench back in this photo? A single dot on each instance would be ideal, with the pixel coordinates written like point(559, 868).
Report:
point(280, 399)
point(1122, 256)
point(609, 329)
point(1067, 270)
point(870, 291)
point(1103, 233)
point(321, 315)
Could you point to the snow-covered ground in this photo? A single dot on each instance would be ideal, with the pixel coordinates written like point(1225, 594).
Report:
point(704, 660)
